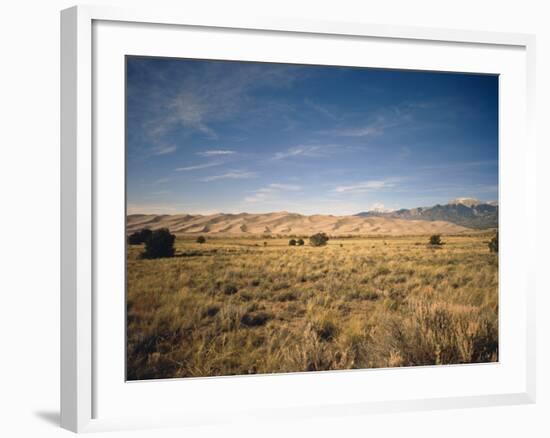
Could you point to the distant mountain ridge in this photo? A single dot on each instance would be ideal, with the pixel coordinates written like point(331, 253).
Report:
point(288, 224)
point(467, 212)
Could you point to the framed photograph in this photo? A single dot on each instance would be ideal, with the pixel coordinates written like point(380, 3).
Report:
point(283, 218)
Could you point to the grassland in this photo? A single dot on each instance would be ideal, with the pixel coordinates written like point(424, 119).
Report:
point(237, 306)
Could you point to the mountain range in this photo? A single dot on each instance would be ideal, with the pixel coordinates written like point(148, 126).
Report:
point(467, 212)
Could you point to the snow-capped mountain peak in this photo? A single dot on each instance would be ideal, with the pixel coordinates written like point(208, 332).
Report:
point(469, 202)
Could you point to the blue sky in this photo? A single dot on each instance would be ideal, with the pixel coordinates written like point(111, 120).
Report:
point(215, 136)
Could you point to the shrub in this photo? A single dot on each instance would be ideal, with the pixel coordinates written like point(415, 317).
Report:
point(286, 296)
point(255, 319)
point(230, 289)
point(493, 244)
point(441, 333)
point(292, 242)
point(381, 271)
point(300, 242)
point(318, 239)
point(201, 239)
point(371, 296)
point(435, 240)
point(159, 244)
point(139, 237)
point(211, 310)
point(325, 328)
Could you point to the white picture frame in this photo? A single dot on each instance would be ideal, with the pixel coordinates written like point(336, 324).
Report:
point(86, 378)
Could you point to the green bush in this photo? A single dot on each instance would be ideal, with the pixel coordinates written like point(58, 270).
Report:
point(493, 244)
point(435, 240)
point(292, 242)
point(139, 237)
point(201, 239)
point(300, 242)
point(160, 244)
point(318, 239)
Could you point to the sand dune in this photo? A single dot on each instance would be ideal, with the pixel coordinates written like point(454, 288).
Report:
point(283, 223)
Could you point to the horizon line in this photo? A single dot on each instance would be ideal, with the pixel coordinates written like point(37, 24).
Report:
point(388, 211)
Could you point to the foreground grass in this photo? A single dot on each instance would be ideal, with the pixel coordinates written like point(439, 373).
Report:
point(235, 306)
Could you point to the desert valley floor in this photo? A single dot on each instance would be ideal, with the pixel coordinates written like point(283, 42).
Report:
point(245, 302)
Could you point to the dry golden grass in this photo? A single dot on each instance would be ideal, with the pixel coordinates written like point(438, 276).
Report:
point(235, 306)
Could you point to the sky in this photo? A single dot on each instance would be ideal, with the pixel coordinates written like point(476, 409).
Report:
point(207, 137)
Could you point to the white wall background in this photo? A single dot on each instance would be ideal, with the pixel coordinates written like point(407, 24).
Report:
point(29, 215)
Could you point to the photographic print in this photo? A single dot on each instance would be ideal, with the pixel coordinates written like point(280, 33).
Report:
point(293, 218)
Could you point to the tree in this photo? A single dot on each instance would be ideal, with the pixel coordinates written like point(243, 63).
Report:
point(493, 244)
point(292, 242)
point(318, 239)
point(160, 244)
point(139, 237)
point(435, 240)
point(134, 238)
point(300, 242)
point(201, 239)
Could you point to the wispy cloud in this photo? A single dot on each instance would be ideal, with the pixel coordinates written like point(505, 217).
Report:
point(461, 165)
point(236, 174)
point(216, 152)
point(369, 129)
point(163, 149)
point(302, 150)
point(323, 110)
point(198, 166)
point(365, 131)
point(259, 195)
point(211, 93)
point(270, 192)
point(378, 123)
point(189, 111)
point(291, 187)
point(366, 186)
point(161, 181)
